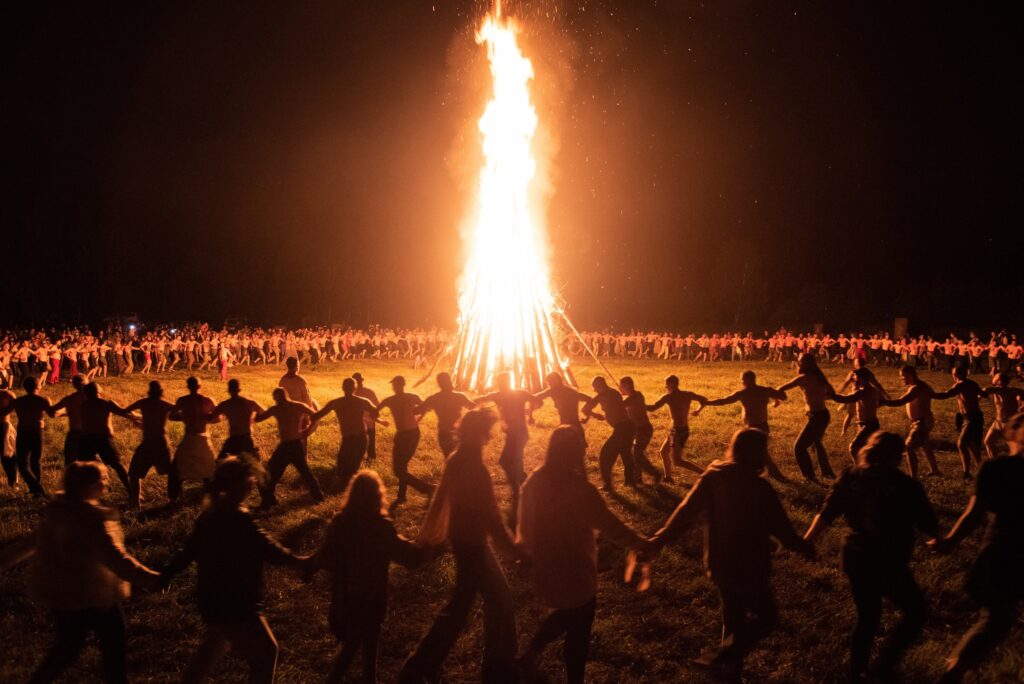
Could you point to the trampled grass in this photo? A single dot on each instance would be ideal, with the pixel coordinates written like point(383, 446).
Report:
point(637, 637)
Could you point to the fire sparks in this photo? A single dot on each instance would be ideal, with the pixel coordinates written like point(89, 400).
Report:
point(505, 302)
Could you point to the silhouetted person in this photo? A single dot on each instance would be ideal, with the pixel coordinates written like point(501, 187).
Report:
point(72, 405)
point(620, 443)
point(98, 435)
point(30, 408)
point(293, 419)
point(678, 402)
point(970, 420)
point(230, 549)
point(513, 407)
point(240, 412)
point(1008, 401)
point(193, 459)
point(865, 398)
point(404, 406)
point(448, 405)
point(558, 517)
point(816, 389)
point(995, 580)
point(883, 507)
point(350, 411)
point(154, 451)
point(567, 401)
point(918, 400)
point(10, 464)
point(365, 392)
point(643, 430)
point(357, 552)
point(465, 513)
point(80, 570)
point(741, 513)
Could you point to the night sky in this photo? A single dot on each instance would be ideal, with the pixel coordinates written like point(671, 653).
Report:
point(717, 163)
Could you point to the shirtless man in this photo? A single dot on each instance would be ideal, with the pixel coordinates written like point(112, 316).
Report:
point(240, 412)
point(636, 409)
point(371, 424)
point(753, 400)
point(193, 459)
point(816, 389)
point(97, 439)
point(970, 419)
point(865, 398)
point(512, 407)
point(620, 443)
point(678, 402)
point(448, 405)
point(567, 402)
point(404, 408)
point(1008, 401)
point(72, 406)
point(350, 411)
point(293, 418)
point(154, 450)
point(918, 400)
point(28, 445)
point(10, 464)
point(295, 385)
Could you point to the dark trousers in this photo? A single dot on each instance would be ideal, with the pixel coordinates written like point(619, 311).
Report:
point(644, 434)
point(236, 445)
point(350, 456)
point(865, 430)
point(993, 625)
point(870, 581)
point(28, 452)
point(71, 446)
point(748, 614)
point(73, 626)
point(367, 643)
point(618, 445)
point(477, 572)
point(371, 443)
point(10, 463)
point(292, 452)
point(402, 452)
point(576, 624)
point(511, 461)
point(811, 435)
point(93, 447)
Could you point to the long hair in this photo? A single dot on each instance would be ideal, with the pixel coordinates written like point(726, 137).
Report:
point(365, 497)
point(882, 449)
point(809, 366)
point(229, 485)
point(564, 459)
point(80, 476)
point(749, 447)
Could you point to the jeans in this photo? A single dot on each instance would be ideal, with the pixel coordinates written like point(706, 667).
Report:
point(367, 643)
point(350, 456)
point(73, 626)
point(251, 640)
point(740, 632)
point(477, 572)
point(811, 435)
point(865, 430)
point(292, 452)
point(618, 445)
point(28, 451)
point(404, 449)
point(576, 624)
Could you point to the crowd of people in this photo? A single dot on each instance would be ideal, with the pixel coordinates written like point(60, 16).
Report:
point(81, 569)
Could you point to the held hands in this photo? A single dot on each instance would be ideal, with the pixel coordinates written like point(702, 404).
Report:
point(941, 545)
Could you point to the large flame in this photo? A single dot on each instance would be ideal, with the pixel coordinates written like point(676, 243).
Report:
point(505, 300)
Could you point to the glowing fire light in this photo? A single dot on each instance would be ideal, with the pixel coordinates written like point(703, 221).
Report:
point(505, 300)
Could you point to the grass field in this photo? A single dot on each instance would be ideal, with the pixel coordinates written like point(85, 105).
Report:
point(637, 638)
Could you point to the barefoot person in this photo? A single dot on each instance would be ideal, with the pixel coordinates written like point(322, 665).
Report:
point(995, 580)
point(865, 398)
point(512, 407)
point(678, 402)
point(918, 400)
point(293, 419)
point(230, 550)
point(30, 408)
point(883, 507)
point(620, 443)
point(448, 405)
point(816, 389)
point(80, 570)
point(350, 411)
point(404, 407)
point(1007, 401)
point(465, 514)
point(240, 412)
point(154, 451)
point(98, 433)
point(970, 419)
point(753, 400)
point(558, 518)
point(193, 459)
point(737, 543)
